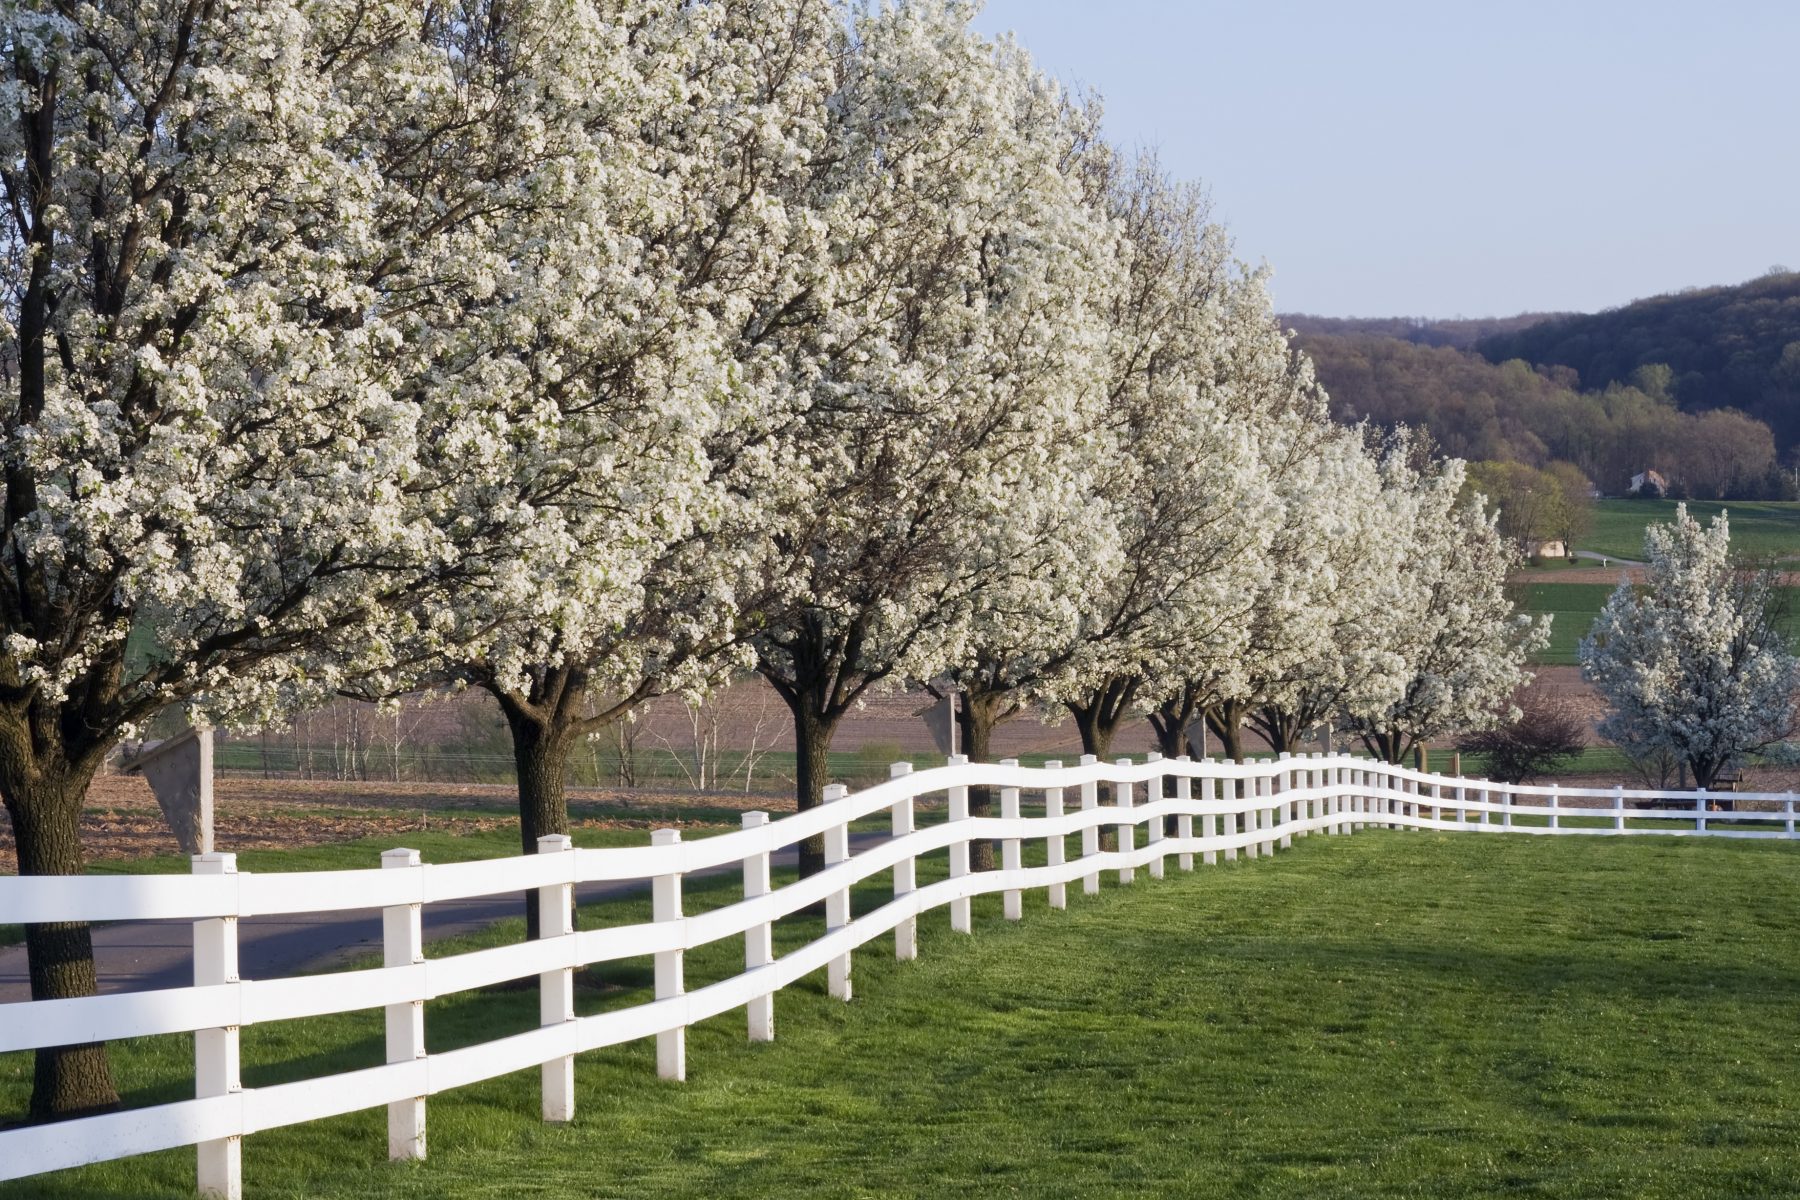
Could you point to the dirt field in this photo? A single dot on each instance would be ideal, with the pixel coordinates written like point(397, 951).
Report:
point(123, 823)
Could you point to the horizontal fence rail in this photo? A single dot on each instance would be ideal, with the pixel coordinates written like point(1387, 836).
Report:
point(1242, 809)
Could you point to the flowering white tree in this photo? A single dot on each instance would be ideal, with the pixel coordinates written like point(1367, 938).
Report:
point(1694, 663)
point(1262, 386)
point(934, 367)
point(684, 226)
point(1331, 577)
point(1463, 645)
point(1177, 486)
point(267, 267)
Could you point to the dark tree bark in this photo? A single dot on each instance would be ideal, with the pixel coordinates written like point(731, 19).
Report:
point(1226, 720)
point(1388, 745)
point(1282, 730)
point(1173, 718)
point(43, 793)
point(547, 720)
point(979, 714)
point(816, 671)
point(1100, 713)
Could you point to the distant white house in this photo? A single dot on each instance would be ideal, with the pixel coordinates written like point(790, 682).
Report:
point(1648, 483)
point(1549, 548)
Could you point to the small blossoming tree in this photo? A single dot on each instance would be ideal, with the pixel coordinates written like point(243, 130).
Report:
point(1694, 663)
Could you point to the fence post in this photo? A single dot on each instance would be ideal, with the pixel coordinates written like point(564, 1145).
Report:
point(1209, 822)
point(1462, 803)
point(1184, 822)
point(1011, 902)
point(837, 904)
point(1126, 833)
point(960, 919)
point(906, 872)
point(1090, 836)
point(220, 1165)
point(403, 944)
point(1507, 800)
point(1286, 782)
point(1555, 819)
point(556, 988)
point(1487, 798)
point(1237, 792)
point(1055, 849)
point(1788, 809)
point(1153, 828)
point(1619, 807)
point(665, 904)
point(759, 940)
point(1700, 810)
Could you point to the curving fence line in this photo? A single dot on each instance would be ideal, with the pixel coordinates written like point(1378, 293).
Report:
point(1242, 809)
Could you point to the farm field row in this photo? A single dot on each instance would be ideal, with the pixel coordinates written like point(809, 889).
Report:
point(1226, 1032)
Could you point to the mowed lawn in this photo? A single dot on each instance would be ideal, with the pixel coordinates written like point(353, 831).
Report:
point(1392, 1014)
point(1758, 527)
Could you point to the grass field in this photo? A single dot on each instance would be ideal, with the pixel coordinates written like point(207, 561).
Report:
point(1575, 605)
point(1758, 527)
point(1384, 1015)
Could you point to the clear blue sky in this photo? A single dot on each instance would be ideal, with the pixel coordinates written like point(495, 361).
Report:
point(1436, 159)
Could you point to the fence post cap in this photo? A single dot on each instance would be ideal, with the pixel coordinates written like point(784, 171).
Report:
point(895, 770)
point(550, 843)
point(959, 760)
point(1053, 764)
point(1088, 760)
point(1153, 756)
point(1009, 762)
point(664, 837)
point(220, 862)
point(1122, 762)
point(1184, 758)
point(754, 818)
point(835, 791)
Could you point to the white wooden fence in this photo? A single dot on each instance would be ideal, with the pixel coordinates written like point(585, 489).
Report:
point(1247, 809)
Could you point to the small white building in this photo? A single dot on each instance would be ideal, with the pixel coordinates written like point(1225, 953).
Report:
point(1648, 483)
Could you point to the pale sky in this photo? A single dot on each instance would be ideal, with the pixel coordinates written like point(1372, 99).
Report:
point(1453, 158)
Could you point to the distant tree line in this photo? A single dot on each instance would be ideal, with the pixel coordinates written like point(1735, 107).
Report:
point(1723, 347)
point(1515, 412)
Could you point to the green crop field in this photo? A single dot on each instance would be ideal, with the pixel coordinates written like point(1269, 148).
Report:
point(1758, 527)
point(1430, 1015)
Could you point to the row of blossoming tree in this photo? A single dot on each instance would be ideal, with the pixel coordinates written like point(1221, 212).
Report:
point(582, 351)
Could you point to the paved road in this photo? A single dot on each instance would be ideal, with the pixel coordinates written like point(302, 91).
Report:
point(1610, 560)
point(135, 956)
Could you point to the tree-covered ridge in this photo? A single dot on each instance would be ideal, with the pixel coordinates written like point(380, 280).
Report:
point(1460, 332)
point(1515, 412)
point(1725, 347)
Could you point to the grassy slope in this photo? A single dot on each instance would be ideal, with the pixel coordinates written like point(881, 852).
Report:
point(1387, 1015)
point(1758, 527)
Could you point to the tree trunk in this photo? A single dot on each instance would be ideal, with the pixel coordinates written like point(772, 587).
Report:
point(980, 714)
point(541, 747)
point(1172, 719)
point(1282, 730)
point(1100, 713)
point(1389, 745)
point(44, 803)
point(1227, 723)
point(813, 732)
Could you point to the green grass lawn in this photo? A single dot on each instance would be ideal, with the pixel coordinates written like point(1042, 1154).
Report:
point(1386, 1015)
point(1575, 605)
point(1758, 527)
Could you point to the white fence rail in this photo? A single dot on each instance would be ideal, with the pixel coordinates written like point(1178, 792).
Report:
point(1247, 809)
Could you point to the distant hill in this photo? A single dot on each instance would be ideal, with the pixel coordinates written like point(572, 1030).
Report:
point(1725, 347)
point(1460, 333)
